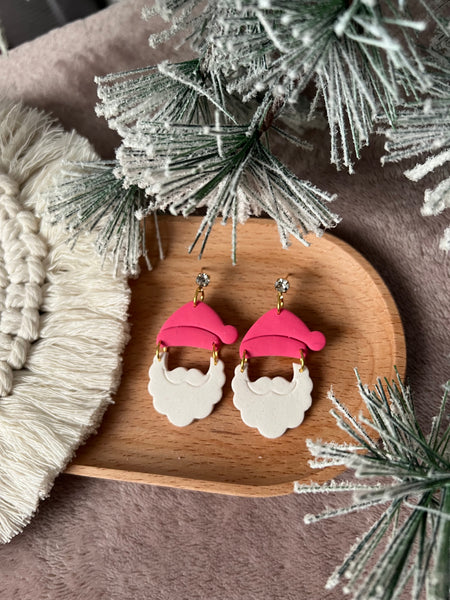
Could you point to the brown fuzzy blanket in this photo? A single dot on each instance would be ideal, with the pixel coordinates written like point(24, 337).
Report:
point(96, 539)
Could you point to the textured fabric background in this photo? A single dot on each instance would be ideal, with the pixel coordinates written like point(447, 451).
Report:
point(105, 539)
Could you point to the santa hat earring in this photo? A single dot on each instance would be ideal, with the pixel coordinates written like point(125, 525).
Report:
point(187, 394)
point(275, 405)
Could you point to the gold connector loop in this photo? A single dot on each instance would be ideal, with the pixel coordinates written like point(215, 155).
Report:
point(199, 293)
point(158, 350)
point(302, 361)
point(244, 361)
point(280, 302)
point(215, 353)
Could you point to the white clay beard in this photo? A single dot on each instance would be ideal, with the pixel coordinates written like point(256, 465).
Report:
point(185, 394)
point(272, 405)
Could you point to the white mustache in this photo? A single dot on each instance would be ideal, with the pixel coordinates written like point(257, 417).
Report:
point(272, 405)
point(185, 394)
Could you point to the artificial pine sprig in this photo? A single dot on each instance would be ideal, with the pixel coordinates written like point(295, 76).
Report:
point(225, 168)
point(299, 35)
point(193, 131)
point(165, 92)
point(182, 15)
point(356, 53)
point(90, 197)
point(424, 131)
point(361, 56)
point(3, 41)
point(350, 103)
point(415, 526)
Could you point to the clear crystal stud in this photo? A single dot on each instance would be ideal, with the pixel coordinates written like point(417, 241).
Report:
point(282, 285)
point(202, 280)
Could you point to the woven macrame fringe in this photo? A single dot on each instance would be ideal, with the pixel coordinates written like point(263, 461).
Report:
point(74, 365)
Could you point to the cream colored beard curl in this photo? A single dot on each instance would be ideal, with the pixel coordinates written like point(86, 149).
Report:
point(63, 319)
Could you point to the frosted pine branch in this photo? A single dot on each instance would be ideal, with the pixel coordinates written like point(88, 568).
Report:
point(193, 131)
point(424, 132)
point(356, 55)
point(89, 197)
point(333, 486)
point(299, 35)
point(3, 41)
point(226, 170)
point(166, 92)
point(180, 14)
point(253, 60)
point(419, 129)
point(361, 56)
point(415, 526)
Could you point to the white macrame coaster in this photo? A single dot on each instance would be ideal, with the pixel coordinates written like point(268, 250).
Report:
point(63, 319)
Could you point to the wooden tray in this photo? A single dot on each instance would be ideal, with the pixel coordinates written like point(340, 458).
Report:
point(333, 289)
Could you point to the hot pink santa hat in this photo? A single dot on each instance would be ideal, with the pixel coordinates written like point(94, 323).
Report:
point(280, 334)
point(196, 325)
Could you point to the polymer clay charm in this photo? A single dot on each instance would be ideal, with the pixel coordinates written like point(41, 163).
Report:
point(184, 395)
point(275, 405)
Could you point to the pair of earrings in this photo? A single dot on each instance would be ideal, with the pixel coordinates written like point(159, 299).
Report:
point(270, 405)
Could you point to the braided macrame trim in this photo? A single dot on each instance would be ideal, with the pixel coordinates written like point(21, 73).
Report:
point(63, 319)
point(22, 274)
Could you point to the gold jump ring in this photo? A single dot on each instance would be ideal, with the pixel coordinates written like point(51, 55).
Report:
point(198, 292)
point(244, 361)
point(280, 302)
point(158, 350)
point(215, 354)
point(302, 361)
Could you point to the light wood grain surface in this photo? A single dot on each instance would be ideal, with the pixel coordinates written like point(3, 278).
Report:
point(333, 289)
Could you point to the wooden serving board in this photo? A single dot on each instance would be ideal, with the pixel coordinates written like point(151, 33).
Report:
point(333, 289)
